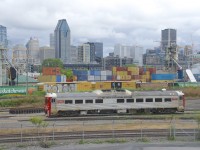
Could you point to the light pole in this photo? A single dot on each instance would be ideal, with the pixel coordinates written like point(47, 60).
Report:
point(27, 72)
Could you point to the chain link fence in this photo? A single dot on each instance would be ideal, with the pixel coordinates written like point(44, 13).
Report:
point(173, 129)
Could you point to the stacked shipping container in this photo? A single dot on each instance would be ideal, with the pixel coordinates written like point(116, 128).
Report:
point(51, 74)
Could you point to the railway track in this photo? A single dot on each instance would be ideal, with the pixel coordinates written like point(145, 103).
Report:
point(147, 133)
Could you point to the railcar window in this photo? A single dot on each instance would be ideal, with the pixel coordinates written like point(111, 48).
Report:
point(158, 99)
point(168, 99)
point(78, 101)
point(68, 101)
point(139, 100)
point(120, 100)
point(53, 100)
point(130, 100)
point(149, 99)
point(98, 100)
point(88, 101)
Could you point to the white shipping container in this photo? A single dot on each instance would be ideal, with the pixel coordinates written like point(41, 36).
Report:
point(108, 73)
point(103, 73)
point(63, 78)
point(97, 78)
point(118, 77)
point(90, 78)
point(103, 78)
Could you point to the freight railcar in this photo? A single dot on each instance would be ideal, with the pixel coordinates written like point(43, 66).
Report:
point(113, 101)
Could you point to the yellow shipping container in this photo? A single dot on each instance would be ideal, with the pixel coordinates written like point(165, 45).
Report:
point(162, 81)
point(144, 76)
point(128, 77)
point(103, 85)
point(147, 73)
point(128, 85)
point(47, 78)
point(84, 86)
point(125, 73)
point(114, 71)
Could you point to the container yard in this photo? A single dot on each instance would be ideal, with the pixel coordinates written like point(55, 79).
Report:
point(119, 77)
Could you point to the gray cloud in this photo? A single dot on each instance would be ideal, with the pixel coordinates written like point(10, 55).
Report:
point(109, 21)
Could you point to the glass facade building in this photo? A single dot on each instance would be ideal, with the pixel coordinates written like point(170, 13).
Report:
point(62, 41)
point(3, 36)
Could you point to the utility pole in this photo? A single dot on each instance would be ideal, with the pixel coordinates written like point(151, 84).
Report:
point(27, 72)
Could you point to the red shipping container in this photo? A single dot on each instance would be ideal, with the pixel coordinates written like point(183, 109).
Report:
point(51, 71)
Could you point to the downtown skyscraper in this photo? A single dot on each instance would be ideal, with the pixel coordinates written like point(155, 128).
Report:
point(168, 38)
point(3, 36)
point(62, 41)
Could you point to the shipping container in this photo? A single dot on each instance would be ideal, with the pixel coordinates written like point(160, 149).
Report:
point(128, 85)
point(116, 85)
point(63, 78)
point(102, 78)
point(91, 78)
point(162, 81)
point(163, 76)
point(51, 71)
point(103, 73)
point(47, 78)
point(58, 78)
point(82, 77)
point(97, 78)
point(109, 78)
point(84, 86)
point(103, 85)
point(108, 73)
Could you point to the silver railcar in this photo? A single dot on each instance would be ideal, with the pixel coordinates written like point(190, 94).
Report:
point(114, 101)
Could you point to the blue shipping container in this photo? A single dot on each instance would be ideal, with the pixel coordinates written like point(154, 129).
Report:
point(97, 73)
point(163, 76)
point(82, 78)
point(180, 74)
point(91, 72)
point(58, 78)
point(109, 78)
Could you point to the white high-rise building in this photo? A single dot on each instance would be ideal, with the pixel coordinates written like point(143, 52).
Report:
point(52, 40)
point(33, 51)
point(46, 53)
point(127, 51)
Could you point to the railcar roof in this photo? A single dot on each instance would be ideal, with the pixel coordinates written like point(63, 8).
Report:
point(155, 93)
point(112, 93)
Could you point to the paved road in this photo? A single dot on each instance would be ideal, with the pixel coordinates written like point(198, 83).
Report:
point(192, 104)
point(126, 146)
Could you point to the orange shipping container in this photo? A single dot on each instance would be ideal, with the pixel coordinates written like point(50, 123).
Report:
point(51, 71)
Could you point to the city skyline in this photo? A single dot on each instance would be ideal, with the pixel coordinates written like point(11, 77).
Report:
point(110, 22)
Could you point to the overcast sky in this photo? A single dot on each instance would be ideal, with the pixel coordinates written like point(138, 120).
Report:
point(131, 22)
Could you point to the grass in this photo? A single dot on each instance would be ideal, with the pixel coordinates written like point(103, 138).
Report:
point(111, 141)
point(35, 99)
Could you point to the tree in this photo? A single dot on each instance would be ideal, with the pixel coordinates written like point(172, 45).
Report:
point(51, 62)
point(39, 122)
point(68, 73)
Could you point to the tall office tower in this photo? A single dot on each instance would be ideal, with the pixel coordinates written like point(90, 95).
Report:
point(96, 51)
point(52, 40)
point(84, 53)
point(3, 36)
point(33, 51)
point(46, 52)
point(19, 57)
point(62, 41)
point(168, 38)
point(74, 54)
